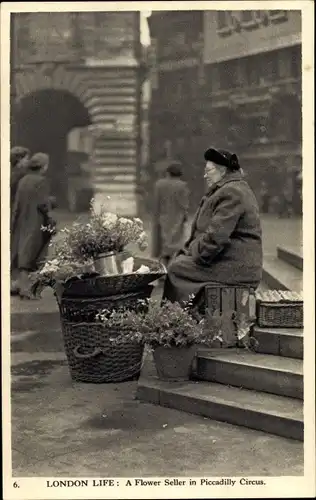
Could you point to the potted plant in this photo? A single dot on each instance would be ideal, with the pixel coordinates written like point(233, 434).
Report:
point(169, 329)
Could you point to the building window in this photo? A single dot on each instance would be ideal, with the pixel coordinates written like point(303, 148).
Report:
point(253, 70)
point(268, 65)
point(284, 64)
point(225, 75)
point(278, 16)
point(212, 77)
point(248, 19)
point(223, 27)
point(296, 61)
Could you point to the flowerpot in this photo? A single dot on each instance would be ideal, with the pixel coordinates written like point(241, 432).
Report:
point(108, 264)
point(174, 363)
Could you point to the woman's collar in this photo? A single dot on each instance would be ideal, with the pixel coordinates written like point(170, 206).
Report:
point(228, 177)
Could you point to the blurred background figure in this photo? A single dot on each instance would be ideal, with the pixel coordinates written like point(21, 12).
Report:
point(171, 205)
point(286, 208)
point(264, 197)
point(31, 211)
point(19, 157)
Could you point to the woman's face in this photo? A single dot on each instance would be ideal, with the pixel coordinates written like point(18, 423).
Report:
point(23, 161)
point(45, 167)
point(213, 173)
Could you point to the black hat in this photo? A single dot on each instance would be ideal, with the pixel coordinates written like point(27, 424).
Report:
point(17, 153)
point(38, 161)
point(222, 157)
point(175, 168)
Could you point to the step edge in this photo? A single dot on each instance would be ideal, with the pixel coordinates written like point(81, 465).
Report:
point(214, 400)
point(269, 262)
point(283, 251)
point(292, 332)
point(267, 368)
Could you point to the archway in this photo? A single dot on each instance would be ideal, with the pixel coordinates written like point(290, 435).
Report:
point(44, 119)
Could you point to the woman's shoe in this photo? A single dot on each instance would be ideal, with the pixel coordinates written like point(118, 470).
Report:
point(15, 289)
point(26, 295)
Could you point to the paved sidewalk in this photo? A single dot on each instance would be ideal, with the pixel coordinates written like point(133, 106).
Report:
point(66, 429)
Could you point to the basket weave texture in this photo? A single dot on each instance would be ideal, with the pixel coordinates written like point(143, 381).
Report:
point(279, 309)
point(78, 310)
point(92, 358)
point(101, 286)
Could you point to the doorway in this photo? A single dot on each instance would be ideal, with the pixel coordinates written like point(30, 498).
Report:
point(44, 119)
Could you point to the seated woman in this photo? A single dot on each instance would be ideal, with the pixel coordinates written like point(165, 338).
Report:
point(225, 245)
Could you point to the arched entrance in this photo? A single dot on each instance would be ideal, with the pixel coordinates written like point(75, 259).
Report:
point(44, 119)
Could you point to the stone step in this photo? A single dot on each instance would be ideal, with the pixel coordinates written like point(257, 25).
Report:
point(256, 410)
point(280, 275)
point(292, 256)
point(260, 372)
point(287, 342)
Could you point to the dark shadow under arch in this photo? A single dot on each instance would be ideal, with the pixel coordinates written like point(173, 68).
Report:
point(43, 121)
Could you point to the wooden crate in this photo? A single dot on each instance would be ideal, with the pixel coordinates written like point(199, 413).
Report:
point(225, 307)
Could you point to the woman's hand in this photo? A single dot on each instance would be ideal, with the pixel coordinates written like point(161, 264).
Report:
point(53, 202)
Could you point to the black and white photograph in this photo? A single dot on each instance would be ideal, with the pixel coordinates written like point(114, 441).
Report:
point(157, 337)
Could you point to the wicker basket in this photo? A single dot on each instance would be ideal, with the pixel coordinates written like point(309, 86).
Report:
point(92, 358)
point(279, 309)
point(78, 310)
point(101, 286)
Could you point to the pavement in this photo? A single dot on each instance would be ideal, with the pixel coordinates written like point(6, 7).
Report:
point(69, 429)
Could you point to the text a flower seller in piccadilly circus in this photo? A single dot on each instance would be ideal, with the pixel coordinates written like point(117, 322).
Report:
point(225, 244)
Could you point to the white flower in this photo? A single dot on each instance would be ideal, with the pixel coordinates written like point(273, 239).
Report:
point(109, 220)
point(126, 222)
point(138, 221)
point(142, 241)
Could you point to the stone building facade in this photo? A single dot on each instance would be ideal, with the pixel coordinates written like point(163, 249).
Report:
point(73, 70)
point(232, 79)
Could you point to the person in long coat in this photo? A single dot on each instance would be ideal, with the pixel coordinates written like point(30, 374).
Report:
point(225, 244)
point(171, 205)
point(19, 157)
point(30, 213)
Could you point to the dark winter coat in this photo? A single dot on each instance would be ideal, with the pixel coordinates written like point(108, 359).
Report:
point(31, 211)
point(225, 244)
point(16, 175)
point(171, 206)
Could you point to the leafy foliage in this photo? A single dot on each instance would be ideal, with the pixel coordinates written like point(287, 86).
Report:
point(159, 324)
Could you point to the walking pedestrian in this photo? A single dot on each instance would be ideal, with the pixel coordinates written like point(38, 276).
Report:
point(286, 208)
point(225, 245)
point(31, 212)
point(264, 197)
point(19, 157)
point(171, 205)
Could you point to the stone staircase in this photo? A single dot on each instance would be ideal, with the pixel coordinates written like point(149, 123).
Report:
point(284, 271)
point(262, 390)
point(115, 98)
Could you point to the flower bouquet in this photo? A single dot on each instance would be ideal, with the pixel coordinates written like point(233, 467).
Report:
point(91, 258)
point(103, 238)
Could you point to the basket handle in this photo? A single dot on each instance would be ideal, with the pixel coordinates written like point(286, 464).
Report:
point(92, 354)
